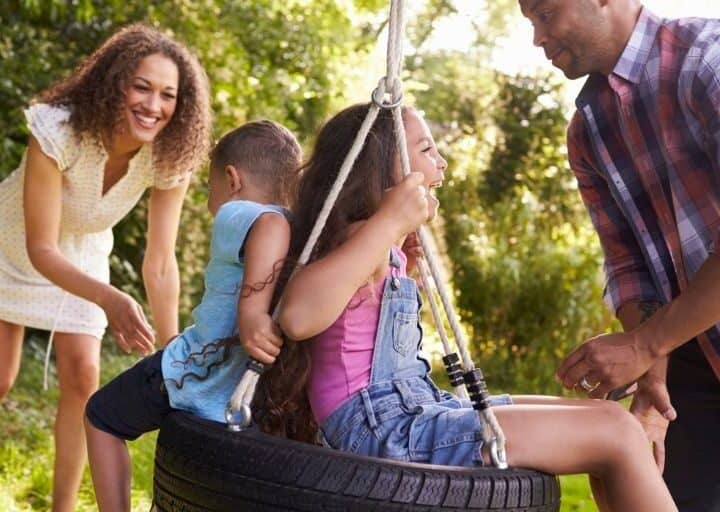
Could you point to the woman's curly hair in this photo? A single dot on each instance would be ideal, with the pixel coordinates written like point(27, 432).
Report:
point(94, 92)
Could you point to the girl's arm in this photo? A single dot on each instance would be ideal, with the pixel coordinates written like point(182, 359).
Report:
point(42, 200)
point(265, 249)
point(318, 293)
point(160, 268)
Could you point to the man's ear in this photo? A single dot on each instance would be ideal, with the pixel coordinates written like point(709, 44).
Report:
point(235, 178)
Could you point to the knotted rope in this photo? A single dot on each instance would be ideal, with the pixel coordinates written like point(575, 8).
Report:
point(238, 413)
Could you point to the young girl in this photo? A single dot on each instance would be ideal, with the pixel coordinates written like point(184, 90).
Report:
point(368, 383)
point(250, 170)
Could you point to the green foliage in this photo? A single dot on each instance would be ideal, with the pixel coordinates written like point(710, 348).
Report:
point(26, 446)
point(524, 258)
point(292, 61)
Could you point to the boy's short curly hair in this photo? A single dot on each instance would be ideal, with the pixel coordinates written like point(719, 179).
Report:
point(267, 151)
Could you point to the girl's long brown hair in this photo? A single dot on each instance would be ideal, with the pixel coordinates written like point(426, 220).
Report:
point(281, 405)
point(94, 92)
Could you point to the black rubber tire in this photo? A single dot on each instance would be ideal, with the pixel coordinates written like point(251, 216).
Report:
point(200, 465)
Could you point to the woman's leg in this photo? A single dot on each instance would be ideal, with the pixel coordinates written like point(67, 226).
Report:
point(78, 365)
point(587, 436)
point(11, 341)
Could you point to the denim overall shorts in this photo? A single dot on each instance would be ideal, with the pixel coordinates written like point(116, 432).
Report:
point(402, 414)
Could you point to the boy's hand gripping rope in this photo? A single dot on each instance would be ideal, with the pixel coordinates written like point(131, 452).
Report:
point(238, 412)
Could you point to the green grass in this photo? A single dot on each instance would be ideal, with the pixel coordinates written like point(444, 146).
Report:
point(26, 446)
point(26, 443)
point(576, 495)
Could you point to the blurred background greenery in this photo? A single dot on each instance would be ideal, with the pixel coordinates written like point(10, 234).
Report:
point(519, 252)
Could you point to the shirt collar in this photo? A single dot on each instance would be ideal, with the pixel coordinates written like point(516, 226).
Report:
point(632, 61)
point(634, 57)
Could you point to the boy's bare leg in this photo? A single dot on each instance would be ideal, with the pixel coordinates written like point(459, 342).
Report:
point(111, 469)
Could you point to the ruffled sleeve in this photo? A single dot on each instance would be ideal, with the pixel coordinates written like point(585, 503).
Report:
point(165, 182)
point(49, 125)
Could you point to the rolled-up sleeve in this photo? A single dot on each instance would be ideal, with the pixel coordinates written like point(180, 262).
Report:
point(627, 276)
point(703, 96)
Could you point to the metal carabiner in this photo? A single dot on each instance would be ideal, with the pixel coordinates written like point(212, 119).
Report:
point(238, 421)
point(498, 457)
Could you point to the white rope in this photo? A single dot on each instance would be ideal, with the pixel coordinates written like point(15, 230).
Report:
point(48, 349)
point(429, 293)
point(452, 317)
point(396, 29)
point(244, 393)
point(487, 414)
point(390, 84)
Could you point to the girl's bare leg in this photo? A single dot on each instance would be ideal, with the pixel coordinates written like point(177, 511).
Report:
point(587, 436)
point(78, 365)
point(111, 469)
point(596, 485)
point(11, 342)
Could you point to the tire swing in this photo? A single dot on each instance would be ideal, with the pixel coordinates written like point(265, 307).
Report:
point(202, 465)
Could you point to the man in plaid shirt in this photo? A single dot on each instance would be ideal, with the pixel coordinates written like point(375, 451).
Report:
point(644, 145)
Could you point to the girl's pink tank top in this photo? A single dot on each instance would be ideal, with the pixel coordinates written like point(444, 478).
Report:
point(342, 354)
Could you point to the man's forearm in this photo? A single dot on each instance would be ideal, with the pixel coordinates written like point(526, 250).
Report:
point(692, 312)
point(632, 314)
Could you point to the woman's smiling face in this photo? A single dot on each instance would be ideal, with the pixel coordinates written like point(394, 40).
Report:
point(150, 99)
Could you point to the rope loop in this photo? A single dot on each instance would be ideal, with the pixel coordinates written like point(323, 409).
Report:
point(382, 90)
point(388, 95)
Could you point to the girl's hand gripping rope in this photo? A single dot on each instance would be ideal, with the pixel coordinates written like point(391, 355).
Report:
point(405, 206)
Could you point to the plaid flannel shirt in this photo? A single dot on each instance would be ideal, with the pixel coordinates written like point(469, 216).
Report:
point(644, 145)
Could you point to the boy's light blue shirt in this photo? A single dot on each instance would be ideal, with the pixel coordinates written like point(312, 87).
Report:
point(196, 377)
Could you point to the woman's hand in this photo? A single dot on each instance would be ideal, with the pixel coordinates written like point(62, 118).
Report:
point(127, 322)
point(261, 338)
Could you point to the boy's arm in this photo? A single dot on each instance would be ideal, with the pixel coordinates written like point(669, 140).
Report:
point(265, 249)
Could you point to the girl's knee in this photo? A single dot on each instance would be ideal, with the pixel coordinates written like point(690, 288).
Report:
point(621, 417)
point(623, 434)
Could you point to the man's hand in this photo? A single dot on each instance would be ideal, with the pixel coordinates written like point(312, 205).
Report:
point(605, 362)
point(650, 399)
point(413, 250)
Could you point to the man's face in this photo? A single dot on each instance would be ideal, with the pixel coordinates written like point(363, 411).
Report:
point(569, 32)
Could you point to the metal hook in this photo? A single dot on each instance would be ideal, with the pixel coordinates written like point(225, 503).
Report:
point(238, 420)
point(498, 457)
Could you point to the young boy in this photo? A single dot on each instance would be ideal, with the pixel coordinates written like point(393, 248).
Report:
point(250, 171)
